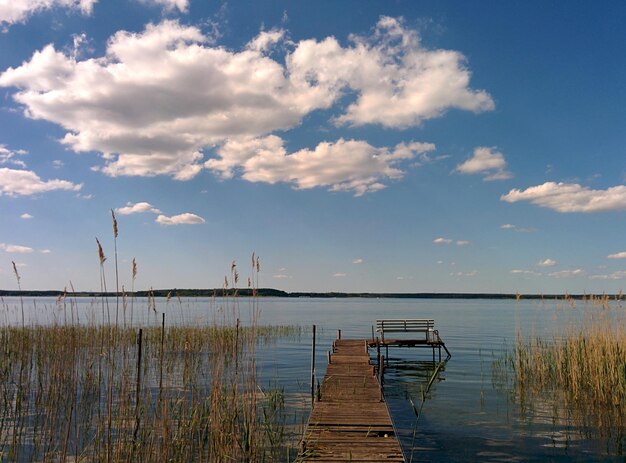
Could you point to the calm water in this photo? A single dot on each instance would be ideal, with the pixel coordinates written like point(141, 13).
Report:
point(465, 417)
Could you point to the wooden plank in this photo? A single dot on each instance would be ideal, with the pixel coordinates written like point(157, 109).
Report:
point(350, 422)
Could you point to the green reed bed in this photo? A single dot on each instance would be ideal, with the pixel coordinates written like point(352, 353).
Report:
point(83, 393)
point(579, 372)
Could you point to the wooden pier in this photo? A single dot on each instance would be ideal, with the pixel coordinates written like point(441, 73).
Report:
point(350, 420)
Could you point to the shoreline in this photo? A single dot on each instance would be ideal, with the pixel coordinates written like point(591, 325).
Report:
point(271, 292)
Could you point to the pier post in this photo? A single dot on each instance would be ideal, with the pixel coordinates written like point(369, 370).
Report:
point(313, 369)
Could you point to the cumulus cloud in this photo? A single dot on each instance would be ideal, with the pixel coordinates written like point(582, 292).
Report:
point(26, 216)
point(346, 165)
point(137, 208)
point(180, 219)
point(266, 40)
point(525, 272)
point(358, 261)
point(442, 240)
point(169, 5)
point(486, 161)
point(515, 228)
point(570, 197)
point(8, 156)
point(15, 248)
point(618, 275)
point(339, 275)
point(160, 99)
point(471, 274)
point(617, 255)
point(568, 273)
point(546, 263)
point(399, 82)
point(17, 11)
point(16, 182)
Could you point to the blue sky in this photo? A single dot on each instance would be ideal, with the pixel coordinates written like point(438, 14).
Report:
point(354, 146)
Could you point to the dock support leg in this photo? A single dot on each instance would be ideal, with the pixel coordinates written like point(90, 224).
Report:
point(313, 369)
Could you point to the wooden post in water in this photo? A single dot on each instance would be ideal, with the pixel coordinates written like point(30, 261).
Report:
point(138, 391)
point(313, 369)
point(382, 378)
point(161, 359)
point(338, 334)
point(378, 358)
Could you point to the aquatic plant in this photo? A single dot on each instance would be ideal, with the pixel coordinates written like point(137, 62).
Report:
point(105, 391)
point(579, 372)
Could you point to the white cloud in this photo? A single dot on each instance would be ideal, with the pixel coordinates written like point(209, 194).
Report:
point(618, 255)
point(546, 263)
point(158, 98)
point(8, 156)
point(339, 275)
point(180, 219)
point(26, 216)
point(137, 208)
point(399, 82)
point(17, 11)
point(442, 240)
point(15, 248)
point(487, 161)
point(570, 197)
point(618, 275)
point(568, 273)
point(281, 276)
point(45, 251)
point(169, 5)
point(266, 40)
point(346, 165)
point(15, 182)
point(509, 226)
point(525, 272)
point(358, 261)
point(471, 274)
point(57, 163)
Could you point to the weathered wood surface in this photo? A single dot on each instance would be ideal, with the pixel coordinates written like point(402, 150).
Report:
point(350, 422)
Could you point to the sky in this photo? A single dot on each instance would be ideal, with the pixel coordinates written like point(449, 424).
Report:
point(397, 146)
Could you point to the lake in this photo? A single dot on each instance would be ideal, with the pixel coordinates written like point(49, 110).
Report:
point(467, 415)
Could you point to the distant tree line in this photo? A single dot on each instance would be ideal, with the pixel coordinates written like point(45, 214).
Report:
point(271, 292)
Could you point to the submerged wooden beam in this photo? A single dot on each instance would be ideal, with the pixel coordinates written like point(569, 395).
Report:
point(349, 422)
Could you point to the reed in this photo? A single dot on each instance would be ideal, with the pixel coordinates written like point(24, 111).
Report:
point(105, 391)
point(60, 399)
point(579, 371)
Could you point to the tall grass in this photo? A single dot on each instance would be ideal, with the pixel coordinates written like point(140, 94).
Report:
point(579, 371)
point(56, 399)
point(110, 392)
